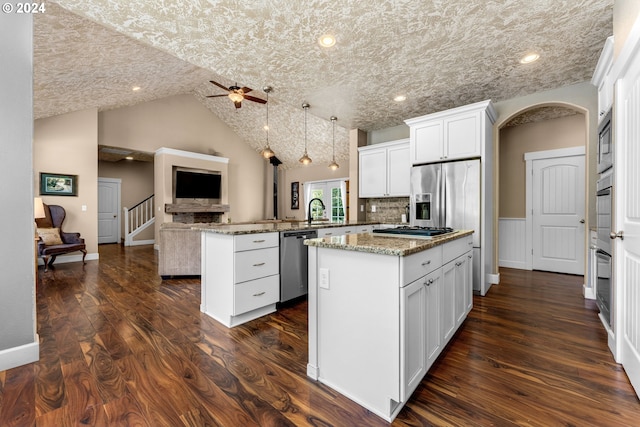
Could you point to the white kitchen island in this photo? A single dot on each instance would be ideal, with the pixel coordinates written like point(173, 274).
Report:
point(381, 309)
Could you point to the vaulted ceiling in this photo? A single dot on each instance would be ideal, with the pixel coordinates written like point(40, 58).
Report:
point(439, 54)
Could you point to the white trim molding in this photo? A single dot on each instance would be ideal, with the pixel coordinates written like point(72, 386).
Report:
point(189, 154)
point(63, 259)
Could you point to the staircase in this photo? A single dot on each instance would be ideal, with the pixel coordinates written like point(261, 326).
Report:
point(139, 218)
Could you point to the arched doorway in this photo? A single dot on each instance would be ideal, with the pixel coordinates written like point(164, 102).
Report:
point(554, 129)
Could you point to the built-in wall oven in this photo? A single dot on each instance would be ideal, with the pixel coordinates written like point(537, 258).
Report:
point(605, 144)
point(604, 288)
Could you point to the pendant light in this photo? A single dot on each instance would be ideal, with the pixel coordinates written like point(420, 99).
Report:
point(333, 165)
point(305, 159)
point(267, 152)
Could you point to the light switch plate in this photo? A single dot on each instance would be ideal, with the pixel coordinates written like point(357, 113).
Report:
point(84, 208)
point(324, 277)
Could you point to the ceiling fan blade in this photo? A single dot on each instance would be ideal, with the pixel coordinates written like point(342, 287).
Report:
point(216, 96)
point(238, 104)
point(219, 85)
point(254, 99)
point(246, 89)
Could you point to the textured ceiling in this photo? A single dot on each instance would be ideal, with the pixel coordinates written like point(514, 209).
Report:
point(440, 54)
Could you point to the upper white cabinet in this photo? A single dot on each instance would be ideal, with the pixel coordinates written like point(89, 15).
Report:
point(603, 80)
point(384, 169)
point(459, 133)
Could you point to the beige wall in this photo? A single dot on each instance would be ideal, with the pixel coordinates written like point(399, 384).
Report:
point(318, 172)
point(68, 144)
point(515, 141)
point(625, 14)
point(137, 185)
point(182, 122)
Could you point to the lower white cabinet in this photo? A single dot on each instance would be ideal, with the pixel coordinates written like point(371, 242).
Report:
point(240, 276)
point(432, 309)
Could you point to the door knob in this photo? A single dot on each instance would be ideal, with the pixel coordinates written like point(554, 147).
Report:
point(619, 234)
point(582, 221)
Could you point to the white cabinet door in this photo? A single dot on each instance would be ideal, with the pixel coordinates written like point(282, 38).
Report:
point(398, 171)
point(413, 309)
point(463, 136)
point(385, 170)
point(468, 292)
point(426, 142)
point(447, 302)
point(373, 173)
point(460, 293)
point(434, 340)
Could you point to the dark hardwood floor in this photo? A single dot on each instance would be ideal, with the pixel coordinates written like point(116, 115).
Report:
point(120, 347)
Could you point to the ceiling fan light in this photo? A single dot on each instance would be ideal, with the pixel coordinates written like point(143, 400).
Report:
point(236, 97)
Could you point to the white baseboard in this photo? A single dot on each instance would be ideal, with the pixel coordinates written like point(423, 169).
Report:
point(520, 265)
point(142, 242)
point(587, 292)
point(21, 355)
point(494, 279)
point(156, 246)
point(62, 259)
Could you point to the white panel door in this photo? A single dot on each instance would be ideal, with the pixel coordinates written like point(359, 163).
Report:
point(558, 214)
point(626, 248)
point(108, 210)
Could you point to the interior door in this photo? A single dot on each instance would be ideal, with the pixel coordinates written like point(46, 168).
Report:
point(626, 247)
point(108, 210)
point(558, 214)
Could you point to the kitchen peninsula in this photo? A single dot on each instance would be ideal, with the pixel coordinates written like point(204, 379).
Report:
point(381, 309)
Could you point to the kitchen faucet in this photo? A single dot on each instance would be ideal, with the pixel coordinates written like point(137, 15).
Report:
point(309, 209)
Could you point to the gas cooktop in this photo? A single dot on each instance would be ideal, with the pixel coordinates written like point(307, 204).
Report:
point(414, 231)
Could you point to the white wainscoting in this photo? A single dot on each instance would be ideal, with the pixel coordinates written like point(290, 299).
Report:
point(512, 243)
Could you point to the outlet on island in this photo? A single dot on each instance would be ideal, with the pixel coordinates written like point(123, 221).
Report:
point(373, 208)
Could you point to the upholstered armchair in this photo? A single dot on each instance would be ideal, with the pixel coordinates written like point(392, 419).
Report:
point(52, 240)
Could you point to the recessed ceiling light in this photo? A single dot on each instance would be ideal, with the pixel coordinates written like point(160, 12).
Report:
point(136, 88)
point(529, 58)
point(400, 98)
point(327, 40)
point(129, 158)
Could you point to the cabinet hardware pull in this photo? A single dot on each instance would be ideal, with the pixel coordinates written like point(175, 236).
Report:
point(427, 262)
point(469, 256)
point(430, 282)
point(258, 241)
point(458, 264)
point(258, 264)
point(328, 234)
point(258, 294)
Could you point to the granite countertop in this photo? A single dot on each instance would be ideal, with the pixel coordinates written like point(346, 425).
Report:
point(268, 227)
point(384, 245)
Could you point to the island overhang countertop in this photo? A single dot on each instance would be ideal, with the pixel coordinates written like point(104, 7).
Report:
point(384, 245)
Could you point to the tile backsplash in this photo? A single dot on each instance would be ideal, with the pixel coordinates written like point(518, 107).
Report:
point(388, 209)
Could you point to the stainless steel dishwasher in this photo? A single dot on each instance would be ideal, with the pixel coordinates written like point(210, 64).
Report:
point(294, 263)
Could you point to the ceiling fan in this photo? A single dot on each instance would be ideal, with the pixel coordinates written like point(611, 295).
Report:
point(237, 94)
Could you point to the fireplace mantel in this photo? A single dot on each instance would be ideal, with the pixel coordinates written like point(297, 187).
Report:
point(195, 208)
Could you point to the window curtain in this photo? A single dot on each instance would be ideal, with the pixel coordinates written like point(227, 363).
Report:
point(307, 196)
point(343, 196)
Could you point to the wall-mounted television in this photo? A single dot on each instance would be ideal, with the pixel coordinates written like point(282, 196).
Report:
point(196, 184)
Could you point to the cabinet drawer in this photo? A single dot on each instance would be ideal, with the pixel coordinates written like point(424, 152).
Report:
point(247, 242)
point(417, 265)
point(251, 265)
point(453, 250)
point(256, 293)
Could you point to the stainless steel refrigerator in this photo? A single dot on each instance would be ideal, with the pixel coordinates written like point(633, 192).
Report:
point(448, 195)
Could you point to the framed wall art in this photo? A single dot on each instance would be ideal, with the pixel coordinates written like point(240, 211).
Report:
point(295, 195)
point(54, 184)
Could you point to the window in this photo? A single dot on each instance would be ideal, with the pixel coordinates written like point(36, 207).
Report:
point(332, 194)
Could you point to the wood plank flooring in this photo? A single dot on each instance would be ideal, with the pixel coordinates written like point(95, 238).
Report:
point(120, 347)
